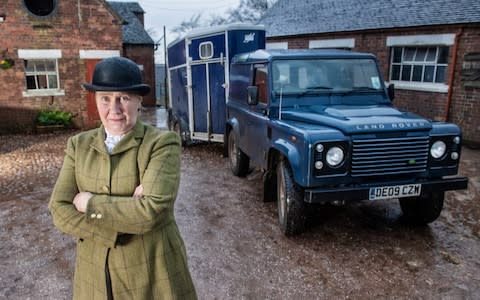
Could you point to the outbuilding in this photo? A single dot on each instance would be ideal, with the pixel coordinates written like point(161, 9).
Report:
point(49, 48)
point(428, 49)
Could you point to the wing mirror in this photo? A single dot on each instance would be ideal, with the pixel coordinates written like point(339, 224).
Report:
point(391, 91)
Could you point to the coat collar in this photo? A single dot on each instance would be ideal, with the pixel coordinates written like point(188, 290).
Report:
point(130, 140)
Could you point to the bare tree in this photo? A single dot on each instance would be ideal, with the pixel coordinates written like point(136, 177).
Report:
point(248, 11)
point(188, 25)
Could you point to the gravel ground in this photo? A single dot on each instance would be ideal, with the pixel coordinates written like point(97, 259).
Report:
point(236, 251)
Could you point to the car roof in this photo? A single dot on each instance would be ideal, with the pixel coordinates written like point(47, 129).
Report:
point(264, 55)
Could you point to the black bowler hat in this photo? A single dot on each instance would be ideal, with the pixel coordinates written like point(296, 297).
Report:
point(117, 74)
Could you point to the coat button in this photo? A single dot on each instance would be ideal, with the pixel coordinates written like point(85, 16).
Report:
point(93, 215)
point(99, 216)
point(105, 188)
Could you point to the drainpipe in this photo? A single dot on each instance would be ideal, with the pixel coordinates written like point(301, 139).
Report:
point(451, 76)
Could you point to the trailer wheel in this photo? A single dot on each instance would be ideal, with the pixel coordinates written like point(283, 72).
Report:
point(424, 209)
point(177, 127)
point(291, 208)
point(239, 161)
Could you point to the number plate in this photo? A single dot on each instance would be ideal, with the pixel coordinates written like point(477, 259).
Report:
point(395, 191)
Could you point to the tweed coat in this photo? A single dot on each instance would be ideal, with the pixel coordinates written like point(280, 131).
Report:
point(139, 237)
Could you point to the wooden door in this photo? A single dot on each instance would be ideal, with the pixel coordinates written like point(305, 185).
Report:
point(93, 119)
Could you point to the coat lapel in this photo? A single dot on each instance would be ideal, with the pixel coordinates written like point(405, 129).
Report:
point(131, 140)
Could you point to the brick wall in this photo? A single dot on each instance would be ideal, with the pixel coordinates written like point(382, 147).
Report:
point(76, 25)
point(465, 100)
point(144, 55)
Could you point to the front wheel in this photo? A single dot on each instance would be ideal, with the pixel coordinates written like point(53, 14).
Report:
point(291, 207)
point(424, 209)
point(239, 161)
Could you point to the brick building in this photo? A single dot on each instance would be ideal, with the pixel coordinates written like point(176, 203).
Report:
point(137, 43)
point(430, 50)
point(49, 48)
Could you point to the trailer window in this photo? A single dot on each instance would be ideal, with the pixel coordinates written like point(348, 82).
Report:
point(206, 50)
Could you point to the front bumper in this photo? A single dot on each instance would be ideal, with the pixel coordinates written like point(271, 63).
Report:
point(361, 192)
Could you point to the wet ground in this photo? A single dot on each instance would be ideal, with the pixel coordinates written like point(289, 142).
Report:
point(236, 251)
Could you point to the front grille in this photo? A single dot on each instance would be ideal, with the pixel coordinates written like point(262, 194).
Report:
point(377, 157)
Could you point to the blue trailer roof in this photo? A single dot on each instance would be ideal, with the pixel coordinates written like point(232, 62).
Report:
point(271, 54)
point(206, 31)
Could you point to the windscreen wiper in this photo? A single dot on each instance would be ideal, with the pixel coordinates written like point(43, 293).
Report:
point(313, 90)
point(361, 89)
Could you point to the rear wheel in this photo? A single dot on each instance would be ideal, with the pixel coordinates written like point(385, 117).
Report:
point(291, 207)
point(177, 127)
point(424, 209)
point(239, 161)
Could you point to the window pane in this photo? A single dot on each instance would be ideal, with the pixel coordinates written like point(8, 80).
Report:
point(431, 54)
point(408, 54)
point(206, 50)
point(421, 53)
point(442, 55)
point(50, 64)
point(261, 83)
point(52, 82)
point(406, 71)
point(440, 78)
point(42, 81)
point(29, 66)
point(397, 55)
point(40, 66)
point(417, 73)
point(395, 72)
point(428, 76)
point(31, 83)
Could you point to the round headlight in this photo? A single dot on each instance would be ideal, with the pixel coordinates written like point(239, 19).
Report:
point(454, 155)
point(318, 165)
point(319, 147)
point(438, 149)
point(334, 156)
point(456, 140)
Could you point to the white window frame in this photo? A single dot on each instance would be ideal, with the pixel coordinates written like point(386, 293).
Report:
point(98, 54)
point(276, 45)
point(419, 41)
point(332, 44)
point(39, 55)
point(208, 45)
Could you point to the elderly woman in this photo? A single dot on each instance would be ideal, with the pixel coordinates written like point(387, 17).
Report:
point(115, 194)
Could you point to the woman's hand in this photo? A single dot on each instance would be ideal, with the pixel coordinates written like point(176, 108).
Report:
point(138, 192)
point(81, 200)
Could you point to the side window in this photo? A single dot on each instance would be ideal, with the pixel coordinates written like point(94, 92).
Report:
point(261, 75)
point(419, 64)
point(41, 74)
point(206, 50)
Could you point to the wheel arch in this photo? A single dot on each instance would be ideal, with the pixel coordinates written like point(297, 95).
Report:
point(284, 150)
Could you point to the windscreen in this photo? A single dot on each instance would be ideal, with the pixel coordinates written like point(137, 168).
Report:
point(327, 75)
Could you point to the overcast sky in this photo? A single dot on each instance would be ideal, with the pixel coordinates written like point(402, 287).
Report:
point(170, 13)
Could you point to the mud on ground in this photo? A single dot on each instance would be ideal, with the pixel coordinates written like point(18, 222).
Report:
point(235, 248)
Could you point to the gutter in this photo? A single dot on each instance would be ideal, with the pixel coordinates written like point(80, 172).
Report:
point(451, 76)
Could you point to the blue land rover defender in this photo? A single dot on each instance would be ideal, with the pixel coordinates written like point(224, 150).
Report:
point(321, 126)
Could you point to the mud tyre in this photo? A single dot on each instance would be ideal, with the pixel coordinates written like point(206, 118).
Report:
point(291, 207)
point(424, 209)
point(177, 127)
point(239, 161)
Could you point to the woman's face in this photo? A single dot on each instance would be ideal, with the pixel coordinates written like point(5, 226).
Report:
point(118, 110)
